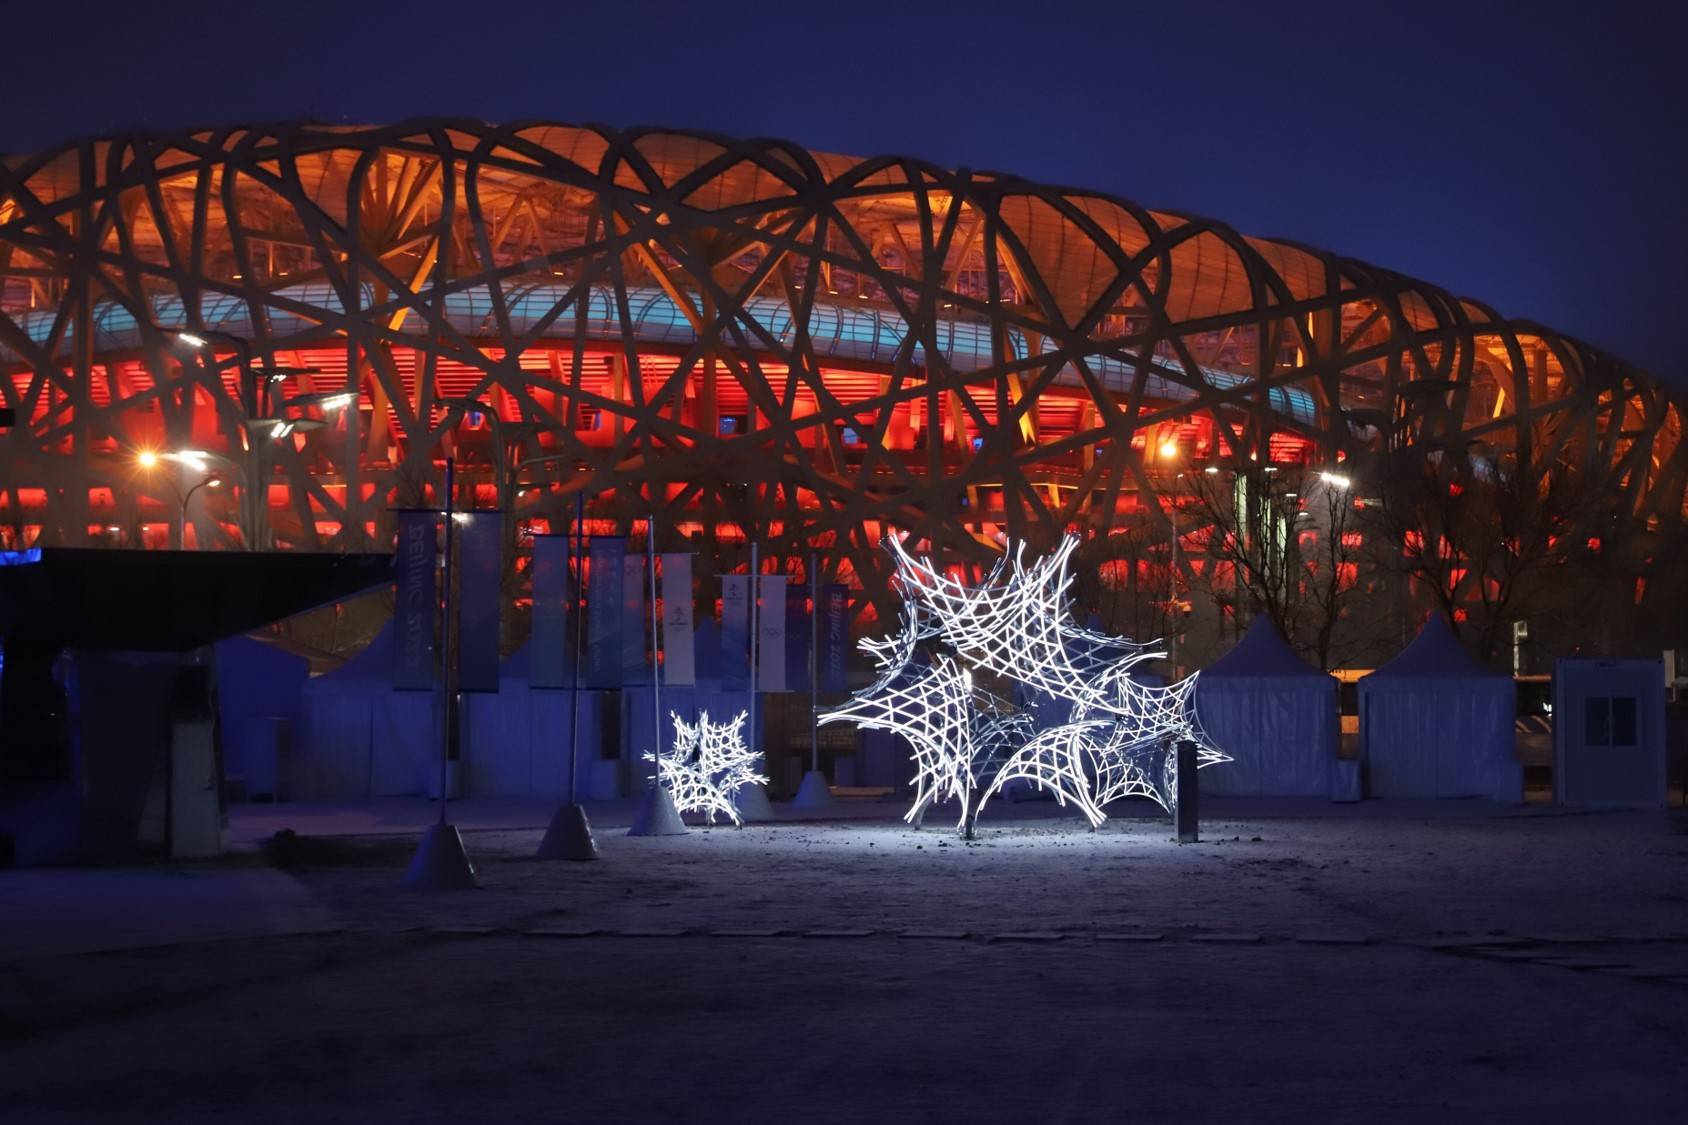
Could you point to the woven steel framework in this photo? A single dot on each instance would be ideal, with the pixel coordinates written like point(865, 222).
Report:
point(1117, 738)
point(752, 339)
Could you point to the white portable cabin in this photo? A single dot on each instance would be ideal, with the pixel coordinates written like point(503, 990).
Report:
point(1276, 716)
point(1434, 722)
point(1609, 733)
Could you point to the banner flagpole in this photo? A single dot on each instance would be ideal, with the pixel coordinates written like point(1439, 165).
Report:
point(440, 863)
point(755, 631)
point(656, 662)
point(569, 836)
point(449, 712)
point(814, 663)
point(574, 665)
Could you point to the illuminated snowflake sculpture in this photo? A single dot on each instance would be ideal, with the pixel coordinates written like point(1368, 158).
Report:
point(1120, 734)
point(708, 764)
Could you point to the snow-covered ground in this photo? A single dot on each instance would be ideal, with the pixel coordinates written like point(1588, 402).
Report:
point(1379, 962)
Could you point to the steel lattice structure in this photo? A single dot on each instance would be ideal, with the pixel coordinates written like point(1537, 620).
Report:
point(752, 339)
point(1117, 738)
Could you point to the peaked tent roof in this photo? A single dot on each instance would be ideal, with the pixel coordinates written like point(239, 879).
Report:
point(1434, 654)
point(1262, 651)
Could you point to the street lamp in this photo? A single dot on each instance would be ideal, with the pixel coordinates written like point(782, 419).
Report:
point(255, 400)
point(182, 523)
point(195, 459)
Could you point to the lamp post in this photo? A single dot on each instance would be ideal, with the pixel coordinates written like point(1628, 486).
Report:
point(182, 523)
point(256, 398)
point(198, 460)
point(1169, 451)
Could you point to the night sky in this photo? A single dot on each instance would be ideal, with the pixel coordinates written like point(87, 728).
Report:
point(1532, 156)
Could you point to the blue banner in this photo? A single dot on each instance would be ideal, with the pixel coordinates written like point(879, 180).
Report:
point(549, 660)
point(603, 611)
point(414, 601)
point(735, 632)
point(834, 656)
point(480, 568)
point(797, 636)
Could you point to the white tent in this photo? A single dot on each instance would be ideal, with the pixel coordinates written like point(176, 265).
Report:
point(1435, 723)
point(359, 737)
point(1275, 714)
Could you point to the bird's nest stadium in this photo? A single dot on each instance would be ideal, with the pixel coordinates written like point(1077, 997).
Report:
point(747, 339)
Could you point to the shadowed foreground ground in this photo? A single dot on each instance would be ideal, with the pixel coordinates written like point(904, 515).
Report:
point(1434, 963)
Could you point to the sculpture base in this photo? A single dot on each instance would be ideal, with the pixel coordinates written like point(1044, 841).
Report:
point(657, 815)
point(753, 804)
point(814, 795)
point(568, 837)
point(440, 863)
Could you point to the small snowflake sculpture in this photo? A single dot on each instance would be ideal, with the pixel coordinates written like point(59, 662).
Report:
point(708, 764)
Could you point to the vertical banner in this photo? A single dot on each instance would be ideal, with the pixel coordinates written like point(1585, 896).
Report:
point(796, 636)
point(415, 601)
point(834, 654)
point(548, 659)
point(480, 566)
point(633, 620)
point(770, 638)
point(735, 632)
point(678, 665)
point(603, 611)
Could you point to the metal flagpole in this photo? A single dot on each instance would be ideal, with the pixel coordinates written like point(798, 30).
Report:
point(574, 679)
point(814, 664)
point(447, 677)
point(656, 663)
point(755, 631)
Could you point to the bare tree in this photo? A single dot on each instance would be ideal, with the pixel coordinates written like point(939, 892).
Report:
point(1480, 531)
point(1125, 577)
point(1288, 540)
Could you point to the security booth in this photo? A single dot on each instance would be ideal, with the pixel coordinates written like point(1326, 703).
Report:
point(1609, 733)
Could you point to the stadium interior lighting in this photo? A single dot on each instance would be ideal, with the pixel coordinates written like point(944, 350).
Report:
point(191, 340)
point(1168, 450)
point(194, 459)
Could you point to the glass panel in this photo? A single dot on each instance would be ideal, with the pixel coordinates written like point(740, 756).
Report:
point(1597, 722)
point(1624, 720)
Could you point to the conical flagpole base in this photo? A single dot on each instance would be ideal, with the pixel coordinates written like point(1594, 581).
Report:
point(440, 863)
point(569, 836)
point(753, 804)
point(657, 815)
point(814, 795)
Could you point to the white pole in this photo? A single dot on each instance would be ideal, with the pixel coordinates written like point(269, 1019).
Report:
point(656, 663)
point(574, 678)
point(755, 630)
point(447, 679)
point(814, 664)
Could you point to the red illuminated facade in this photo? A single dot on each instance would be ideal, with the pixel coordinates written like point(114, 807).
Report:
point(749, 339)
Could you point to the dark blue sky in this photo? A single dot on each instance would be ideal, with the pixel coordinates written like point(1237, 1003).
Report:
point(1534, 156)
